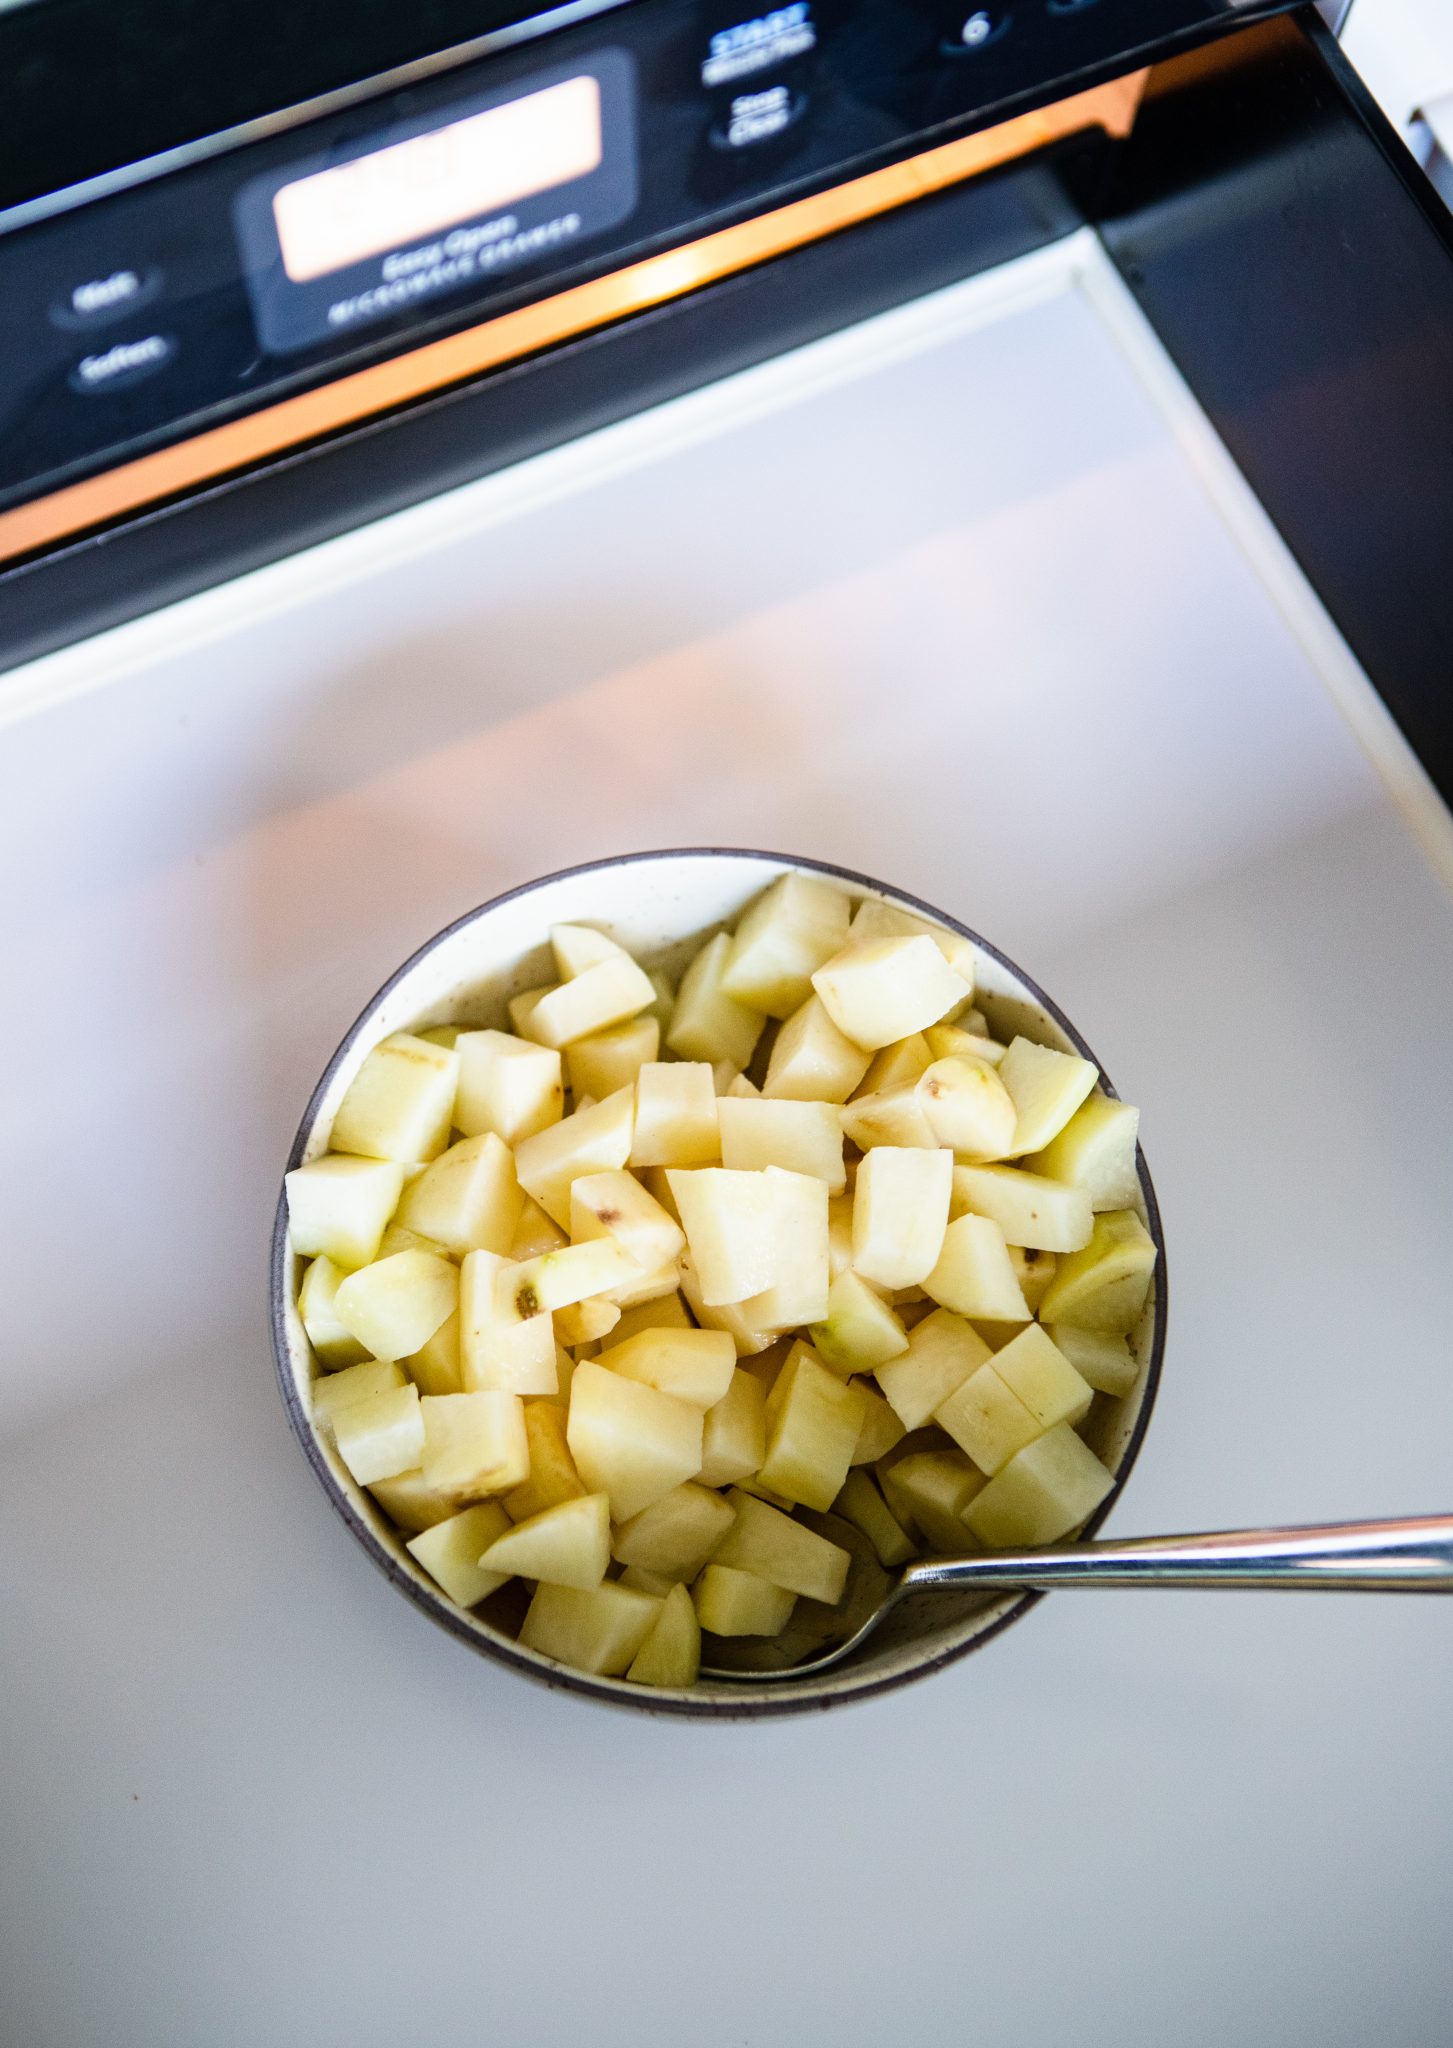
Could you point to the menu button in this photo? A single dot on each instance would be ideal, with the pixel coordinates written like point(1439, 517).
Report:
point(126, 362)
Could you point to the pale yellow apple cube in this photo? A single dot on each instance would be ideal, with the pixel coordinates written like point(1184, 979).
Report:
point(1104, 1287)
point(799, 1292)
point(381, 1435)
point(930, 1491)
point(333, 1345)
point(615, 1205)
point(552, 1476)
point(677, 1534)
point(596, 1140)
point(608, 1060)
point(670, 1657)
point(811, 1060)
point(813, 1420)
point(1040, 1214)
point(900, 1210)
point(863, 1505)
point(974, 1275)
point(879, 990)
point(735, 1603)
point(860, 1331)
point(474, 1444)
point(565, 1545)
point(968, 1108)
point(942, 1352)
point(449, 1552)
point(434, 1368)
point(881, 1429)
point(695, 1366)
point(1095, 1152)
point(734, 1432)
point(731, 1222)
point(676, 1115)
point(781, 940)
point(501, 1350)
point(987, 1419)
point(599, 1631)
point(339, 1208)
point(803, 1137)
point(762, 1540)
point(335, 1391)
point(1047, 1087)
point(1101, 1357)
point(707, 1023)
point(400, 1103)
point(507, 1085)
point(467, 1199)
point(607, 993)
point(397, 1238)
point(1033, 1367)
point(535, 1233)
point(396, 1304)
point(628, 1440)
point(1047, 1490)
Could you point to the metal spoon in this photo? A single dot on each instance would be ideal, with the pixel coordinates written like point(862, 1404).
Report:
point(1414, 1555)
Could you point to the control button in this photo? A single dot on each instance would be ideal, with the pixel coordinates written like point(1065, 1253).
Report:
point(102, 299)
point(758, 116)
point(985, 25)
point(771, 40)
point(125, 363)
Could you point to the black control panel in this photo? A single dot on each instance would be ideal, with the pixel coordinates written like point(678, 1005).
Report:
point(169, 296)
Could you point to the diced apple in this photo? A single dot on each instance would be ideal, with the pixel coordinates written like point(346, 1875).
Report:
point(974, 1275)
point(630, 1441)
point(473, 1444)
point(606, 993)
point(967, 1108)
point(781, 940)
point(1035, 1369)
point(670, 1657)
point(333, 1345)
point(668, 1312)
point(813, 1420)
point(707, 1023)
point(574, 1273)
point(731, 1222)
point(875, 920)
point(987, 1419)
point(1101, 1357)
point(535, 1233)
point(396, 1304)
point(523, 1006)
point(929, 1491)
point(773, 1546)
point(798, 1293)
point(586, 1322)
point(735, 1603)
point(381, 1435)
point(449, 1552)
point(860, 1331)
point(804, 1137)
point(734, 1433)
point(616, 1206)
point(879, 990)
point(611, 1059)
point(501, 1349)
point(434, 1368)
point(336, 1391)
point(1040, 1214)
point(339, 1208)
point(676, 1119)
point(599, 1631)
point(1043, 1493)
point(1034, 1271)
point(942, 1352)
point(596, 1140)
point(566, 1545)
point(893, 1117)
point(578, 946)
point(507, 1085)
point(900, 1209)
point(861, 1504)
point(958, 1041)
point(467, 1199)
point(1104, 1287)
point(880, 1430)
point(727, 1316)
point(552, 1475)
point(811, 1060)
point(676, 1534)
point(1095, 1152)
point(410, 1504)
point(400, 1103)
point(1047, 1087)
point(695, 1366)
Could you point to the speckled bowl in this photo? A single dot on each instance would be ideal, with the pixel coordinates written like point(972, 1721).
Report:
point(661, 905)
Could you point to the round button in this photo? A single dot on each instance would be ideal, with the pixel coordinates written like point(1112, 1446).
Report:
point(977, 30)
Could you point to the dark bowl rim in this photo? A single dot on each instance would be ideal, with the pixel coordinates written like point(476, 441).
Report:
point(707, 1707)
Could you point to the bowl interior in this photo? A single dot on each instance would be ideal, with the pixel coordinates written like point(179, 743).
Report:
point(661, 906)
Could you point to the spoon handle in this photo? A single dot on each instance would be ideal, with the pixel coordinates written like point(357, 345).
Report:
point(1414, 1555)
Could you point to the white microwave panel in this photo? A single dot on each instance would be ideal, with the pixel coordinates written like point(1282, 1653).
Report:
point(969, 598)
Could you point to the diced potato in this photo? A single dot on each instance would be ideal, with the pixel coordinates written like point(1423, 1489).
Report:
point(958, 1041)
point(1104, 1287)
point(942, 1352)
point(930, 1491)
point(875, 920)
point(535, 1233)
point(467, 1199)
point(707, 1023)
point(898, 1065)
point(607, 993)
point(974, 1275)
point(1040, 1214)
point(676, 1120)
point(578, 946)
point(879, 990)
point(1047, 1087)
point(676, 1534)
point(771, 1545)
point(861, 1504)
point(585, 1322)
point(600, 1631)
point(811, 1059)
point(501, 1349)
point(410, 1504)
point(813, 1420)
point(1095, 1152)
point(900, 1210)
point(400, 1103)
point(659, 1583)
point(449, 1552)
point(566, 1545)
point(596, 1140)
point(434, 1368)
point(399, 1239)
point(893, 1117)
point(695, 1366)
point(332, 1344)
point(881, 1428)
point(574, 1273)
point(1047, 1490)
point(396, 1304)
point(798, 1293)
point(1101, 1357)
point(338, 1208)
point(654, 1285)
point(670, 1657)
point(1034, 1271)
point(381, 1435)
point(987, 1419)
point(523, 1007)
point(734, 1603)
point(608, 1060)
point(804, 1137)
point(732, 1225)
point(667, 1312)
point(552, 1475)
point(630, 1441)
point(1035, 1369)
point(968, 1108)
point(781, 940)
point(860, 1331)
point(727, 1316)
point(473, 1444)
point(339, 1390)
point(507, 1085)
point(734, 1435)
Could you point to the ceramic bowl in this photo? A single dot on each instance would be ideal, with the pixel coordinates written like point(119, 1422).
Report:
point(660, 906)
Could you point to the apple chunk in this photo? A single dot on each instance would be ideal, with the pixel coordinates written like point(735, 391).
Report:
point(611, 1059)
point(628, 1440)
point(599, 1631)
point(394, 1306)
point(1104, 1286)
point(507, 1085)
point(332, 1344)
point(734, 1434)
point(860, 1331)
point(803, 1137)
point(707, 1023)
point(1095, 1152)
point(400, 1103)
point(676, 1534)
point(813, 1419)
point(1032, 1211)
point(974, 1275)
point(676, 1115)
point(1100, 1357)
point(449, 1552)
point(1044, 1492)
point(1047, 1087)
point(900, 1210)
point(474, 1444)
point(338, 1208)
point(382, 1435)
point(781, 940)
point(467, 1199)
point(566, 1545)
point(594, 1140)
point(764, 1541)
point(811, 1059)
point(880, 990)
point(735, 1603)
point(695, 1366)
point(942, 1351)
